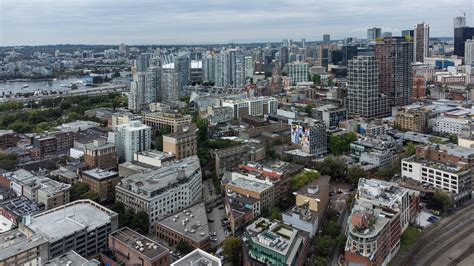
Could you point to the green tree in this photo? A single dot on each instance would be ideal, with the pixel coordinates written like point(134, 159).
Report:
point(385, 173)
point(44, 126)
point(341, 242)
point(308, 109)
point(232, 247)
point(333, 166)
point(320, 261)
point(302, 179)
point(453, 138)
point(64, 105)
point(183, 247)
point(159, 137)
point(410, 149)
point(201, 124)
point(332, 229)
point(8, 161)
point(317, 79)
point(140, 223)
point(339, 144)
point(21, 127)
point(272, 214)
point(442, 201)
point(354, 173)
point(324, 244)
point(78, 190)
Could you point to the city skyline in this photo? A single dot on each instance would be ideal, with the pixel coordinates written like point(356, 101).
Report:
point(187, 22)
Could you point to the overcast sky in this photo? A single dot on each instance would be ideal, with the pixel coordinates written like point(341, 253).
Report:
point(215, 21)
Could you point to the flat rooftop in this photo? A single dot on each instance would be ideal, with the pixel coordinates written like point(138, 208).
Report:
point(71, 258)
point(5, 224)
point(383, 192)
point(21, 206)
point(239, 180)
point(140, 243)
point(100, 146)
point(198, 257)
point(419, 137)
point(14, 242)
point(163, 177)
point(101, 174)
point(304, 213)
point(272, 235)
point(312, 189)
point(67, 219)
point(190, 222)
point(155, 154)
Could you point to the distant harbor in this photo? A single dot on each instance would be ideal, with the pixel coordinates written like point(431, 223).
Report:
point(24, 86)
point(13, 87)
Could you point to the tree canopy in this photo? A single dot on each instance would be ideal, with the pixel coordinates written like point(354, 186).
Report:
point(333, 166)
point(302, 179)
point(339, 144)
point(232, 249)
point(354, 173)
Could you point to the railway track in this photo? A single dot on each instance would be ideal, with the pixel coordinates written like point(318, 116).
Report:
point(442, 230)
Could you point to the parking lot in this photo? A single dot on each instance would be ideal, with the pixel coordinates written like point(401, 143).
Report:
point(217, 214)
point(423, 216)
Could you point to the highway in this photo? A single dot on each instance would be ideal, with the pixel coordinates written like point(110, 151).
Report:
point(447, 243)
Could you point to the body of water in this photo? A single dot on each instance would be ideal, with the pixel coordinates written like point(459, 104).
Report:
point(12, 87)
point(22, 86)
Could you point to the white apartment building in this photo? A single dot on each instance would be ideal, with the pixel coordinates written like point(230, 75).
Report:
point(469, 52)
point(450, 178)
point(449, 125)
point(130, 138)
point(298, 72)
point(164, 191)
point(257, 106)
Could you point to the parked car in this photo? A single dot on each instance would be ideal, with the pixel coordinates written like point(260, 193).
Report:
point(433, 219)
point(210, 220)
point(435, 212)
point(213, 239)
point(213, 233)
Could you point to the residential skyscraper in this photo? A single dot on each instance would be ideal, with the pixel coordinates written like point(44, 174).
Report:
point(421, 43)
point(469, 52)
point(145, 89)
point(394, 57)
point(248, 67)
point(130, 138)
point(209, 68)
point(136, 100)
point(459, 22)
point(284, 57)
point(303, 42)
point(152, 85)
point(183, 68)
point(373, 34)
point(363, 97)
point(461, 35)
point(240, 77)
point(143, 61)
point(169, 85)
point(326, 39)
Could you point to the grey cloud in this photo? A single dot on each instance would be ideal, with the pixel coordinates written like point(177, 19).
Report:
point(194, 21)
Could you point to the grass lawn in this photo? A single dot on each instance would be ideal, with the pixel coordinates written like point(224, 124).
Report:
point(408, 238)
